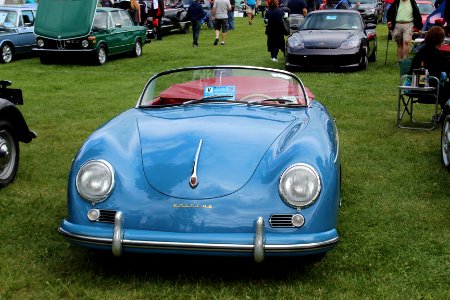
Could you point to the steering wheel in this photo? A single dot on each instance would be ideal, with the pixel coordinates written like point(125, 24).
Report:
point(256, 97)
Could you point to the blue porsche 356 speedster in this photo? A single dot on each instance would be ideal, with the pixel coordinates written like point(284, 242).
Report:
point(222, 160)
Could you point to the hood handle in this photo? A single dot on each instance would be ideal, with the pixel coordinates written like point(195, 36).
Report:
point(193, 181)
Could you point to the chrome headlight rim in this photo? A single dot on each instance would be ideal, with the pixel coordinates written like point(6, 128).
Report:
point(81, 187)
point(40, 43)
point(84, 43)
point(295, 203)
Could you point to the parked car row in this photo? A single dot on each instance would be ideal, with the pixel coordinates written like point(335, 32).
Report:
point(93, 32)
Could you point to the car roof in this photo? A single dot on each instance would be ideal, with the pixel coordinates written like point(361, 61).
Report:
point(335, 11)
point(18, 7)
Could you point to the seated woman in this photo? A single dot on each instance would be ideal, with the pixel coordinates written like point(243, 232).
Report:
point(432, 59)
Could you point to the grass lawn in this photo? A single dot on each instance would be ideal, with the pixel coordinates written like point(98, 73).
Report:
point(394, 221)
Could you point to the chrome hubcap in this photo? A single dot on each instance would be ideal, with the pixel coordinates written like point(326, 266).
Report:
point(7, 154)
point(6, 54)
point(138, 49)
point(102, 56)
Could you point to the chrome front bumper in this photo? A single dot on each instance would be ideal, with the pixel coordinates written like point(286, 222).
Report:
point(259, 248)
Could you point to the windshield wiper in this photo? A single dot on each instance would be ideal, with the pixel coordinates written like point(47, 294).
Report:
point(280, 100)
point(209, 98)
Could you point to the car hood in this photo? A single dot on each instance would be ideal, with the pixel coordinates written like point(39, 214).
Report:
point(324, 39)
point(232, 147)
point(7, 32)
point(64, 19)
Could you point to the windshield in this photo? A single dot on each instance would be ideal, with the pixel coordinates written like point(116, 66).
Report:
point(363, 1)
point(425, 8)
point(332, 21)
point(8, 19)
point(225, 84)
point(100, 20)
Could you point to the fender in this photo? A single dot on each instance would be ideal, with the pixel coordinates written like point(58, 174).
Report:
point(10, 113)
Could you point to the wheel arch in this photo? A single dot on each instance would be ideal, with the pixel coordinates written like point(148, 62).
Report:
point(11, 114)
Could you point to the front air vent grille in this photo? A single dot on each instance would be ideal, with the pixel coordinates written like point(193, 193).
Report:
point(107, 216)
point(281, 220)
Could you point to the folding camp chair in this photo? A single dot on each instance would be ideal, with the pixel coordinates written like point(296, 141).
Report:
point(206, 22)
point(409, 96)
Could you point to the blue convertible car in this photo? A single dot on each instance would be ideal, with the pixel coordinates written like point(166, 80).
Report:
point(223, 160)
point(16, 30)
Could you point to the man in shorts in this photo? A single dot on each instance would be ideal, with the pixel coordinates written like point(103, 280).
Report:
point(402, 17)
point(219, 15)
point(251, 6)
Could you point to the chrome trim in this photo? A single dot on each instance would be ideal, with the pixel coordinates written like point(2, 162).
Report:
point(258, 252)
point(193, 181)
point(294, 76)
point(337, 141)
point(319, 189)
point(118, 234)
point(199, 246)
point(113, 180)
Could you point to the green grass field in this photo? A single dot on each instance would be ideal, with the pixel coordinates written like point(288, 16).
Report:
point(394, 221)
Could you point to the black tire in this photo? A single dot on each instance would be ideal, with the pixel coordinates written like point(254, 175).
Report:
point(445, 143)
point(137, 49)
point(9, 154)
point(364, 63)
point(373, 56)
point(6, 53)
point(101, 55)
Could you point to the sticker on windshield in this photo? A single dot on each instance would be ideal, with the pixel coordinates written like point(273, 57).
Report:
point(226, 91)
point(331, 17)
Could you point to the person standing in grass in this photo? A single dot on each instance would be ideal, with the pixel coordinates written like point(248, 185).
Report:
point(402, 17)
point(231, 15)
point(251, 7)
point(195, 14)
point(219, 15)
point(274, 29)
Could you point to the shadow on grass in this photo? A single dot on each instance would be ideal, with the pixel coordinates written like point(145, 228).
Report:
point(173, 266)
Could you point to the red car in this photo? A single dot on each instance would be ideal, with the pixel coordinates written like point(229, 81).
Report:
point(426, 7)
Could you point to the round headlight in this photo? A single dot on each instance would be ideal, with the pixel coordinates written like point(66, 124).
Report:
point(85, 43)
point(40, 43)
point(299, 185)
point(95, 180)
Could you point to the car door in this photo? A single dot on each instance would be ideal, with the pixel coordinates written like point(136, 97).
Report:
point(25, 29)
point(117, 39)
point(128, 30)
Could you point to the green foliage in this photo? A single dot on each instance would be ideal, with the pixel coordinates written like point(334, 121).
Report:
point(394, 220)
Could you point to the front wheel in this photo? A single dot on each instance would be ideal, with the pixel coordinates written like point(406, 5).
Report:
point(9, 154)
point(7, 53)
point(445, 143)
point(364, 63)
point(100, 55)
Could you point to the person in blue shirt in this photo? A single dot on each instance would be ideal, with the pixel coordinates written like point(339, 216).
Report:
point(251, 6)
